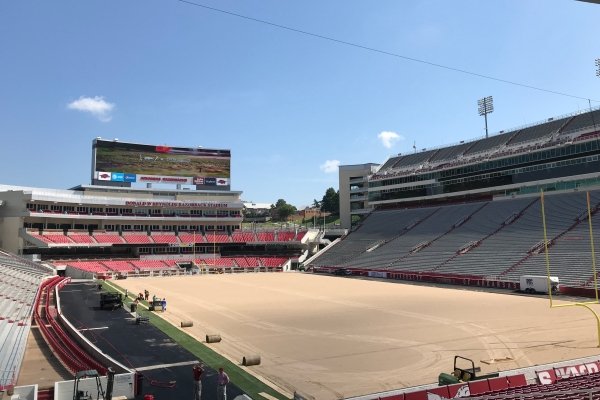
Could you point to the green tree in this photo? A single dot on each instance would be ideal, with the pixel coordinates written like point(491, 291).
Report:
point(281, 211)
point(331, 201)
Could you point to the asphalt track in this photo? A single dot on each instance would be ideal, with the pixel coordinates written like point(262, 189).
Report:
point(166, 366)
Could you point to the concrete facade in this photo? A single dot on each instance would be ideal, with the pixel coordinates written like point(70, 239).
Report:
point(353, 186)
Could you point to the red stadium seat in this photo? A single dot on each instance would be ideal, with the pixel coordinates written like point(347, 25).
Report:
point(498, 383)
point(478, 387)
point(517, 380)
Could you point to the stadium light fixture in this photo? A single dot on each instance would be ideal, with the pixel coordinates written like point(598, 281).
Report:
point(598, 67)
point(485, 107)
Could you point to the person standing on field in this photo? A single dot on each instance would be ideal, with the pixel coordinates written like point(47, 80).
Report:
point(222, 381)
point(198, 371)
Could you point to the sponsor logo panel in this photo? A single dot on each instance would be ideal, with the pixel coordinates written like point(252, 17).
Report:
point(118, 177)
point(129, 177)
point(164, 179)
point(104, 176)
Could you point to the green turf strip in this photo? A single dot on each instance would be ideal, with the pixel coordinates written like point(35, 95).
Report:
point(248, 383)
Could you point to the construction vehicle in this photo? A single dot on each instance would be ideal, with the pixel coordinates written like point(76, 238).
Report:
point(465, 373)
point(100, 393)
point(111, 300)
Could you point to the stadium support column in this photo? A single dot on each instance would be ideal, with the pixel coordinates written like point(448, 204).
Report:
point(485, 107)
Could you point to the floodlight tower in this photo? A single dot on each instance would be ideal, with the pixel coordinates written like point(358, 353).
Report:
point(485, 107)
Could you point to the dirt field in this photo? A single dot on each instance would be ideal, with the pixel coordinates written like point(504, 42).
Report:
point(335, 337)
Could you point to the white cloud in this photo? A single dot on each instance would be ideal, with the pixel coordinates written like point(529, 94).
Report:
point(330, 166)
point(388, 139)
point(96, 106)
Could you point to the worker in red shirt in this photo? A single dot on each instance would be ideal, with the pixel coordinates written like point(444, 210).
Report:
point(198, 371)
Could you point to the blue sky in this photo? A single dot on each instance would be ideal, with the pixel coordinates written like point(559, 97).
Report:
point(287, 105)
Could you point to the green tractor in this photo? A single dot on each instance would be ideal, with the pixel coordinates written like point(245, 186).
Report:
point(466, 374)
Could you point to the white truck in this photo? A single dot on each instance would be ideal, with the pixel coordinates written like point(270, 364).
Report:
point(538, 284)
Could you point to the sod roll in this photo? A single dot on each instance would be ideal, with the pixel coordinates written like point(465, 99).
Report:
point(213, 338)
point(251, 360)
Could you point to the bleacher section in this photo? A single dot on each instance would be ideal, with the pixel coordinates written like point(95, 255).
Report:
point(487, 144)
point(187, 237)
point(164, 238)
point(135, 238)
point(68, 351)
point(537, 132)
point(106, 239)
point(553, 132)
point(19, 285)
point(494, 239)
point(140, 266)
point(583, 121)
point(82, 238)
point(243, 237)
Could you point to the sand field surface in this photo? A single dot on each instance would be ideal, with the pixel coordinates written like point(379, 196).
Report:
point(332, 337)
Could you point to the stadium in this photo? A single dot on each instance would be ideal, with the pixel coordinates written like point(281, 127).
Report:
point(429, 271)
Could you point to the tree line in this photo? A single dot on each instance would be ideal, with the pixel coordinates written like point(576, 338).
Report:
point(330, 203)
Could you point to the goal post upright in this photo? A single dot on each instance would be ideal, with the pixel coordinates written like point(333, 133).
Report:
point(578, 304)
point(546, 255)
point(589, 212)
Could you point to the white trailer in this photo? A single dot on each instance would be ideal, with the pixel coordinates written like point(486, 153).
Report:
point(538, 284)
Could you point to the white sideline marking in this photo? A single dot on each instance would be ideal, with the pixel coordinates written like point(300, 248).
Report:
point(179, 364)
point(93, 329)
point(267, 396)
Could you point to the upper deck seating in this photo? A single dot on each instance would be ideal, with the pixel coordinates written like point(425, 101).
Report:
point(489, 143)
point(413, 159)
point(137, 238)
point(108, 238)
point(585, 120)
point(448, 153)
point(301, 235)
point(58, 238)
point(43, 238)
point(265, 236)
point(243, 237)
point(285, 236)
point(191, 237)
point(164, 238)
point(217, 237)
point(82, 238)
point(538, 131)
